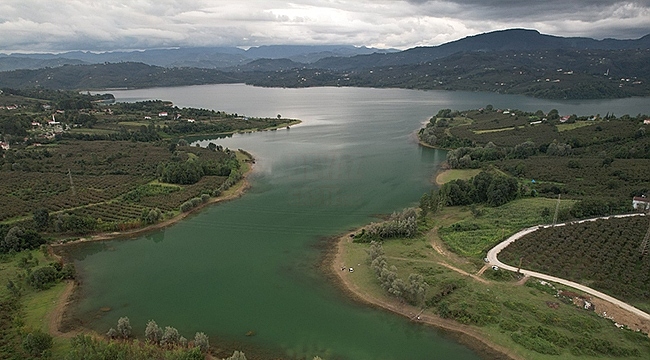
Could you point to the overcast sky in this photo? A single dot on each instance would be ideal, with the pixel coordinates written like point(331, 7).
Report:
point(100, 25)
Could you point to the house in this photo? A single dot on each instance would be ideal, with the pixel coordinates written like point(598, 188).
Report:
point(162, 114)
point(4, 145)
point(191, 120)
point(565, 118)
point(36, 124)
point(147, 117)
point(641, 203)
point(646, 122)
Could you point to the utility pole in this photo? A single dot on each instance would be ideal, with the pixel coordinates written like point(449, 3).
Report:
point(644, 244)
point(557, 209)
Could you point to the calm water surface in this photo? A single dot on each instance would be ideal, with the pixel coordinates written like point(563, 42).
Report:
point(252, 264)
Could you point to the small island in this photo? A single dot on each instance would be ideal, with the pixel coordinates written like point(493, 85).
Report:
point(508, 170)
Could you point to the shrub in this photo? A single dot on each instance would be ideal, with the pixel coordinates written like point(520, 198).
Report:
point(37, 343)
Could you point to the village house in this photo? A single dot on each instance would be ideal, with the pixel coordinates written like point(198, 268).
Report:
point(641, 203)
point(646, 122)
point(4, 145)
point(162, 114)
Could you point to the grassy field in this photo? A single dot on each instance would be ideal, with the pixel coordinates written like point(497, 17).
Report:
point(528, 319)
point(478, 132)
point(454, 174)
point(482, 227)
point(575, 125)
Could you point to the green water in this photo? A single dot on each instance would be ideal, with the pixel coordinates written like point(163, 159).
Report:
point(252, 264)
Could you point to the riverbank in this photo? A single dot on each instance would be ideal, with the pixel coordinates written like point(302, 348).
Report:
point(335, 262)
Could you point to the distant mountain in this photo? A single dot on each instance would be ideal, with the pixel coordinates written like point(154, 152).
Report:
point(199, 57)
point(512, 39)
point(513, 61)
point(8, 63)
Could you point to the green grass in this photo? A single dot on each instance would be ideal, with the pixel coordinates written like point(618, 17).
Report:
point(499, 309)
point(575, 125)
point(475, 235)
point(38, 304)
point(455, 174)
point(493, 130)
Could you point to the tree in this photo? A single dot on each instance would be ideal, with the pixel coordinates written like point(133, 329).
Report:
point(12, 240)
point(201, 341)
point(237, 355)
point(42, 278)
point(124, 328)
point(41, 218)
point(112, 333)
point(170, 336)
point(153, 332)
point(37, 343)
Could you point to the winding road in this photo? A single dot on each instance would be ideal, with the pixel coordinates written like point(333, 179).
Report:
point(493, 260)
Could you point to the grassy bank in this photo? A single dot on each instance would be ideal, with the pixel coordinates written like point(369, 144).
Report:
point(522, 316)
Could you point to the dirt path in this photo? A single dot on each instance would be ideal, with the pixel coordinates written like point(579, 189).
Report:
point(55, 317)
point(467, 335)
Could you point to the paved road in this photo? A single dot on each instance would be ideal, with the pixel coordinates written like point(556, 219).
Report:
point(492, 260)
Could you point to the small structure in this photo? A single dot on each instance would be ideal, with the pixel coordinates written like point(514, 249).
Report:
point(4, 145)
point(147, 117)
point(641, 203)
point(191, 120)
point(646, 122)
point(162, 114)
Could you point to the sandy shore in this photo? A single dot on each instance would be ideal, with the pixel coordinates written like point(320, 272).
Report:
point(464, 334)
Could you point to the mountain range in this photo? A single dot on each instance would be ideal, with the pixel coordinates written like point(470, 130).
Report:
point(516, 61)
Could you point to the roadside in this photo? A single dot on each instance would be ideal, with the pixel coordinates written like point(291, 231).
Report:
point(614, 309)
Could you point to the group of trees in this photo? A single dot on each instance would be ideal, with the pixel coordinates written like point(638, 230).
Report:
point(16, 239)
point(484, 188)
point(402, 224)
point(168, 337)
point(192, 170)
point(412, 291)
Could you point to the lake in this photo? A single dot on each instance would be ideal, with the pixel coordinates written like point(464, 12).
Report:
point(252, 264)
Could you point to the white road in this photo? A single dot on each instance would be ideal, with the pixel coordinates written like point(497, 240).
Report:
point(494, 252)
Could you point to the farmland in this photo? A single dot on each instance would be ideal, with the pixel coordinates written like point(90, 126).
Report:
point(89, 164)
point(604, 254)
point(107, 183)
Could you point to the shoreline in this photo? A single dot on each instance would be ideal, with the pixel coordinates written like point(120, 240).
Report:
point(238, 190)
point(464, 334)
point(57, 314)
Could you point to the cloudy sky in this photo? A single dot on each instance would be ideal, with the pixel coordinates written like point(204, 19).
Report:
point(100, 25)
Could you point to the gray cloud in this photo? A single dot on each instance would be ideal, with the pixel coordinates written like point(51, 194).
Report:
point(59, 25)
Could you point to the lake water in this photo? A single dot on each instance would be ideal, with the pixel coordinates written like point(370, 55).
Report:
point(252, 264)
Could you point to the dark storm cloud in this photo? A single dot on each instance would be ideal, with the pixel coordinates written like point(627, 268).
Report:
point(51, 25)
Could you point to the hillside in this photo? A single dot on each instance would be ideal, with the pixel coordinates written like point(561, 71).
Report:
point(511, 62)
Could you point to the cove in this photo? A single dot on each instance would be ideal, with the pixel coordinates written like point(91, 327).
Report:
point(252, 264)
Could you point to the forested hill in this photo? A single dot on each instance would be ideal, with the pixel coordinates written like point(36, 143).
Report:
point(555, 74)
point(108, 75)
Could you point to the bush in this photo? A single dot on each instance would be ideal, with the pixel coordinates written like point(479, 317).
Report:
point(37, 343)
point(43, 278)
